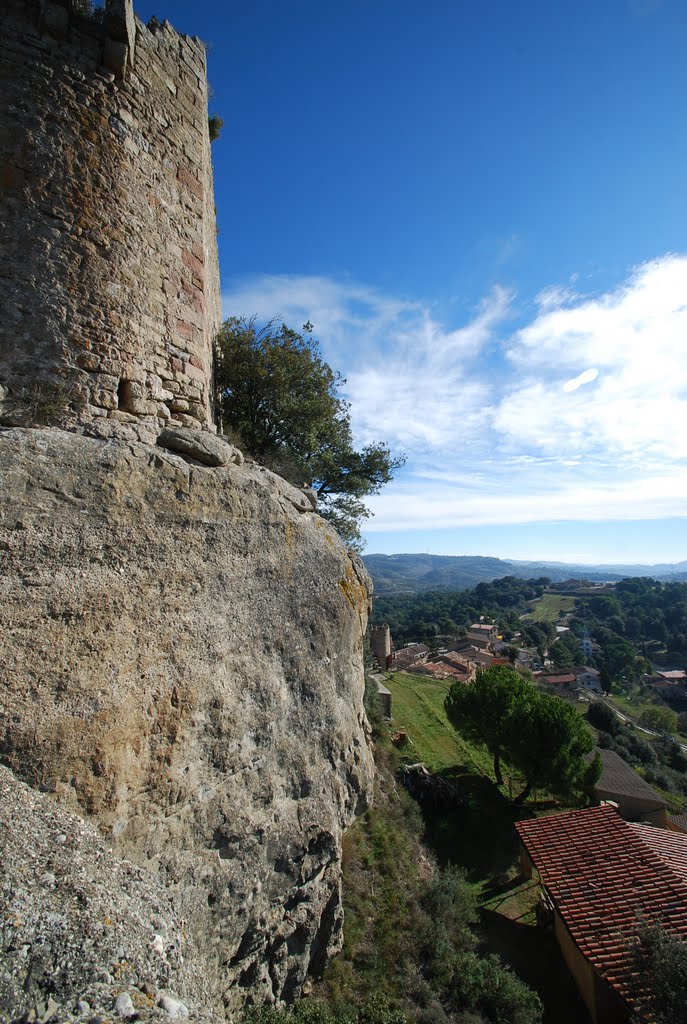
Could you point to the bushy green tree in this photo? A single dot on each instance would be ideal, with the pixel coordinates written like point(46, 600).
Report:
point(602, 717)
point(661, 960)
point(482, 711)
point(658, 717)
point(483, 984)
point(547, 742)
point(540, 735)
point(279, 399)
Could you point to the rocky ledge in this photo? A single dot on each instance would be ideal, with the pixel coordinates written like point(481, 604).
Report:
point(183, 669)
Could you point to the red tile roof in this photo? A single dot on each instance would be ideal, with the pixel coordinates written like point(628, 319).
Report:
point(670, 846)
point(560, 680)
point(440, 671)
point(604, 879)
point(453, 658)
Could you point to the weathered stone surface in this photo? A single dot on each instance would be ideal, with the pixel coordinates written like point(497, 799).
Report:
point(78, 940)
point(200, 445)
point(182, 657)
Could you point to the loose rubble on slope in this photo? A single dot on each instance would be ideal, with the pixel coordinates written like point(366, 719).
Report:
point(85, 936)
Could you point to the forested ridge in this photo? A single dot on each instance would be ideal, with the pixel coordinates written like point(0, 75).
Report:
point(641, 609)
point(435, 612)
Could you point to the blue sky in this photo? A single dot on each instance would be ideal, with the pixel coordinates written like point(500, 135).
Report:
point(481, 207)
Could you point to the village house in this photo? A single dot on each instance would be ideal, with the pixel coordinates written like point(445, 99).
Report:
point(410, 655)
point(480, 641)
point(587, 646)
point(601, 877)
point(484, 660)
point(670, 685)
point(443, 670)
point(565, 682)
point(632, 795)
point(461, 645)
point(589, 678)
point(461, 662)
point(487, 630)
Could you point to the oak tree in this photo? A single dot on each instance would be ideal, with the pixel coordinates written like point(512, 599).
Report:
point(280, 400)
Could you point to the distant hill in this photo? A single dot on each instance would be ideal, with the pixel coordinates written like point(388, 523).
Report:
point(413, 573)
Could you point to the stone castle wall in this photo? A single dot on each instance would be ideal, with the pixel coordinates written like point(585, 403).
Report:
point(109, 277)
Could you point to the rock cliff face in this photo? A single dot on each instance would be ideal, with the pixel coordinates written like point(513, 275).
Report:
point(182, 649)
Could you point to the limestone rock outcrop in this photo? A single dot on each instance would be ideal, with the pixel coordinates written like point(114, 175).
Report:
point(82, 931)
point(182, 665)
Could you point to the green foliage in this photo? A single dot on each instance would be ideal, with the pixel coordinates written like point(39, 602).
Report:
point(602, 717)
point(408, 927)
point(540, 735)
point(418, 707)
point(373, 707)
point(482, 712)
point(279, 397)
point(547, 741)
point(643, 611)
point(660, 718)
point(661, 960)
point(374, 1010)
point(500, 996)
point(215, 125)
point(566, 653)
point(415, 616)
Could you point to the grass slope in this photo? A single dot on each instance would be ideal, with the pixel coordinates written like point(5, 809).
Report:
point(478, 836)
point(487, 849)
point(551, 608)
point(418, 707)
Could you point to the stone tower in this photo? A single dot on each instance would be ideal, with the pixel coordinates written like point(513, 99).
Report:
point(382, 648)
point(109, 278)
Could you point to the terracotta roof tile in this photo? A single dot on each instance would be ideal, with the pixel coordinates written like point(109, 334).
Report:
point(562, 679)
point(670, 846)
point(604, 878)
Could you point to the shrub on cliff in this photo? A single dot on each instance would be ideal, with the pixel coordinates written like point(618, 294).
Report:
point(280, 401)
point(409, 936)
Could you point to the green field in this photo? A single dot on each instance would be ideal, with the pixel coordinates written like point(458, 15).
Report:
point(551, 608)
point(418, 707)
point(478, 836)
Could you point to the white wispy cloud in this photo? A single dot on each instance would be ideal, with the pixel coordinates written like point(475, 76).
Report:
point(634, 337)
point(579, 413)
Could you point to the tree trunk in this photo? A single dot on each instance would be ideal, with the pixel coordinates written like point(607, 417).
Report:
point(497, 768)
point(525, 793)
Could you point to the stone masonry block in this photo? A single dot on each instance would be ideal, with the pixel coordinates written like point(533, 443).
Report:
point(116, 56)
point(190, 182)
